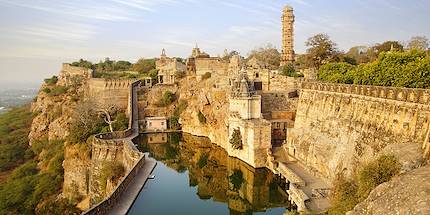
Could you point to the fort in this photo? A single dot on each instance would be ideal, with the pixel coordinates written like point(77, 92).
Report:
point(304, 131)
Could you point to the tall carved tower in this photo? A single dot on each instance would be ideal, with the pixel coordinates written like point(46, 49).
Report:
point(287, 36)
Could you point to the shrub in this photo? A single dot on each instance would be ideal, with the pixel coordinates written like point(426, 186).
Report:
point(288, 70)
point(236, 139)
point(236, 179)
point(112, 171)
point(57, 90)
point(203, 160)
point(167, 99)
point(51, 81)
point(201, 117)
point(348, 192)
point(121, 122)
point(207, 75)
point(46, 90)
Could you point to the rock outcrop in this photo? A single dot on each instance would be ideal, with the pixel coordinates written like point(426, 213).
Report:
point(407, 194)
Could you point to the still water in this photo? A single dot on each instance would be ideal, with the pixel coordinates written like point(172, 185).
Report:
point(194, 176)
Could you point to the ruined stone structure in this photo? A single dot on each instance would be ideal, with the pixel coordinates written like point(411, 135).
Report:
point(245, 116)
point(168, 68)
point(338, 126)
point(200, 63)
point(287, 36)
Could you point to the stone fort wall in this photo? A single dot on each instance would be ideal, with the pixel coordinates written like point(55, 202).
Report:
point(339, 126)
point(113, 91)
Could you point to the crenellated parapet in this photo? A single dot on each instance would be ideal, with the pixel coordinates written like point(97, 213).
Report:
point(421, 96)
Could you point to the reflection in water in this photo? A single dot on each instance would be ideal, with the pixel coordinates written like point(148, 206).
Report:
point(190, 165)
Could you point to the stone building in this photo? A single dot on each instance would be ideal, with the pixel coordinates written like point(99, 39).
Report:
point(287, 36)
point(200, 63)
point(168, 68)
point(245, 117)
point(259, 73)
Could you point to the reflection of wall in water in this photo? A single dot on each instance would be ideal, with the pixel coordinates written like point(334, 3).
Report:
point(157, 138)
point(209, 168)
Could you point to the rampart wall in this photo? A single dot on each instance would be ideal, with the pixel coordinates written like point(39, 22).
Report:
point(112, 91)
point(340, 126)
point(115, 146)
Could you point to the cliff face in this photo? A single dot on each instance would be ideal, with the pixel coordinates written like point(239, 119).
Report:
point(335, 132)
point(55, 103)
point(210, 97)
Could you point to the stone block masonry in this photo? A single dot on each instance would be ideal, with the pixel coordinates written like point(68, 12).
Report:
point(339, 126)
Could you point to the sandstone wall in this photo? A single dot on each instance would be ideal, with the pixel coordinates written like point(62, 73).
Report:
point(278, 101)
point(284, 83)
point(110, 91)
point(256, 140)
point(339, 126)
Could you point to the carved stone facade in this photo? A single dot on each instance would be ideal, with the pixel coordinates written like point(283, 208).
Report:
point(245, 116)
point(168, 68)
point(200, 63)
point(287, 36)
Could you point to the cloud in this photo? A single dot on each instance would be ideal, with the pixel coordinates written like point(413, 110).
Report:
point(98, 11)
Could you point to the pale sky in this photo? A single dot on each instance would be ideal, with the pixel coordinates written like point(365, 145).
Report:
point(36, 36)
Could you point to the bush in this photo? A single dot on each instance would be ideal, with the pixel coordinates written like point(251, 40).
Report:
point(288, 70)
point(203, 160)
point(121, 122)
point(112, 171)
point(236, 139)
point(167, 99)
point(51, 81)
point(207, 75)
point(201, 117)
point(348, 192)
point(57, 90)
point(236, 179)
point(398, 69)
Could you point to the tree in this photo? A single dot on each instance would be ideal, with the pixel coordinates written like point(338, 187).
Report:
point(336, 73)
point(268, 54)
point(388, 46)
point(359, 53)
point(236, 139)
point(321, 50)
point(144, 65)
point(227, 56)
point(419, 42)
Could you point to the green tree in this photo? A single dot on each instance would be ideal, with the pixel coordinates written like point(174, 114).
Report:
point(321, 50)
point(337, 73)
point(144, 65)
point(236, 139)
point(268, 54)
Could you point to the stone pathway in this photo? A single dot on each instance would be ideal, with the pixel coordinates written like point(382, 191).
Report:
point(129, 195)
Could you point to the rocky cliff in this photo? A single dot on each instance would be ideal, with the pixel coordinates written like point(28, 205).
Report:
point(210, 97)
point(406, 194)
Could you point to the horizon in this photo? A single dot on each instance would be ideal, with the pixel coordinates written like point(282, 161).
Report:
point(44, 35)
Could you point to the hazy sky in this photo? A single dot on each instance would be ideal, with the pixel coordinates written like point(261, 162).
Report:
point(37, 35)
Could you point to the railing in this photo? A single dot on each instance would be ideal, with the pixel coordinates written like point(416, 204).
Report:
point(106, 205)
point(421, 96)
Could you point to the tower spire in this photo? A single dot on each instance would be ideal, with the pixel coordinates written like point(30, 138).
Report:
point(287, 35)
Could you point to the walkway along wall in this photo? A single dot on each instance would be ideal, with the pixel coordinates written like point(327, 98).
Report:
point(340, 126)
point(116, 146)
